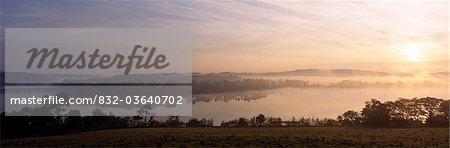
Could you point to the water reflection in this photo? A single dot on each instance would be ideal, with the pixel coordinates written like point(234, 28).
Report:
point(300, 102)
point(236, 96)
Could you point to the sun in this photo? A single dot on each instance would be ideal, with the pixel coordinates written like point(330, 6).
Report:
point(412, 52)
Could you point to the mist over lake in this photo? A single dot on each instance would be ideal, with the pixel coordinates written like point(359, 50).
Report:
point(311, 102)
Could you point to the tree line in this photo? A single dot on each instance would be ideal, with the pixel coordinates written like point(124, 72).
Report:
point(35, 126)
point(218, 84)
point(415, 112)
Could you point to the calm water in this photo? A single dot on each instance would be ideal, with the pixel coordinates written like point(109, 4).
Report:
point(300, 102)
point(295, 102)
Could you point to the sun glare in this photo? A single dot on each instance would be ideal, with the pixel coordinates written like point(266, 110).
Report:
point(412, 52)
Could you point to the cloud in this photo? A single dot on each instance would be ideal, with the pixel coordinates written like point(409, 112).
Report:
point(234, 30)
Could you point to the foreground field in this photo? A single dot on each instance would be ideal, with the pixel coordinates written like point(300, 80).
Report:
point(264, 136)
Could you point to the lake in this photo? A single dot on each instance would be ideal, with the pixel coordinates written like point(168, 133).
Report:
point(291, 102)
point(300, 102)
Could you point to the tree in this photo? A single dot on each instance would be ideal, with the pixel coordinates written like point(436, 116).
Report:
point(194, 122)
point(403, 112)
point(272, 121)
point(442, 117)
point(145, 112)
point(260, 119)
point(242, 122)
point(444, 107)
point(430, 106)
point(137, 120)
point(73, 121)
point(376, 114)
point(174, 121)
point(207, 122)
point(350, 118)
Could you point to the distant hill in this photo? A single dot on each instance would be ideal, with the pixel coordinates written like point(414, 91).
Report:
point(21, 77)
point(333, 72)
point(442, 75)
point(16, 77)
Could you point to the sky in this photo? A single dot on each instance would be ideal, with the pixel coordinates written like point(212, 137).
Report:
point(262, 36)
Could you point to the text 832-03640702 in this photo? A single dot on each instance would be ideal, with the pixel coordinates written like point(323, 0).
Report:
point(100, 100)
point(141, 100)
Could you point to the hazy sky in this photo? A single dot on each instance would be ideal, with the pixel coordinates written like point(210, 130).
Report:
point(255, 36)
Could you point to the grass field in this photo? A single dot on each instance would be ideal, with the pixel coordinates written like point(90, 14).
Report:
point(264, 136)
